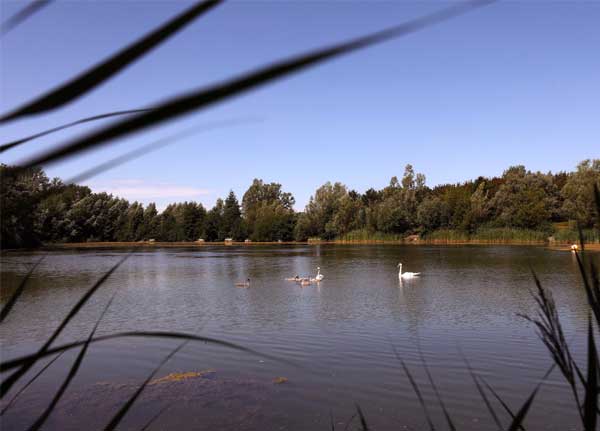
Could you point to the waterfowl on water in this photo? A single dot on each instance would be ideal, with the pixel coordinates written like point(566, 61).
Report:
point(402, 275)
point(243, 283)
point(319, 276)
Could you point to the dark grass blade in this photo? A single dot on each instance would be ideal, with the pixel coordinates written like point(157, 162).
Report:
point(154, 418)
point(597, 199)
point(30, 382)
point(25, 366)
point(435, 390)
point(145, 149)
point(94, 76)
point(18, 142)
point(117, 418)
point(331, 421)
point(592, 291)
point(415, 387)
point(522, 413)
point(520, 416)
point(481, 392)
point(18, 292)
point(204, 97)
point(581, 237)
point(591, 390)
point(500, 400)
point(22, 15)
point(552, 335)
point(72, 372)
point(361, 416)
point(22, 360)
point(350, 422)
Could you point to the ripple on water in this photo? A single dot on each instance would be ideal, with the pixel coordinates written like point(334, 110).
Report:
point(340, 334)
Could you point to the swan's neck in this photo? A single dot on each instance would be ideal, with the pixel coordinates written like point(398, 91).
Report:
point(400, 269)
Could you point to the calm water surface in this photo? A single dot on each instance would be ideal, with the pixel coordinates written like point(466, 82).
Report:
point(339, 334)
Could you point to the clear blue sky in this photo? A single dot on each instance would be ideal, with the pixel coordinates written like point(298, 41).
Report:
point(513, 83)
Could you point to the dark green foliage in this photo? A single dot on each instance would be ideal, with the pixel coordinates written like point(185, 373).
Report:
point(268, 212)
point(178, 222)
point(318, 219)
point(521, 205)
point(213, 230)
point(19, 194)
point(578, 193)
point(525, 200)
point(232, 225)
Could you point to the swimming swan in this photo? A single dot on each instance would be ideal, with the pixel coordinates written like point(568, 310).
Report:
point(243, 283)
point(319, 276)
point(402, 275)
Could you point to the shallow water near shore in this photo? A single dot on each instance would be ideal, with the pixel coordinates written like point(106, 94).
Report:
point(340, 335)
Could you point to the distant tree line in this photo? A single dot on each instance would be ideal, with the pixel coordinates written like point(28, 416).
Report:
point(36, 210)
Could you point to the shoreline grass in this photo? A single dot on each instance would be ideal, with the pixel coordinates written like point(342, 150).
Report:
point(444, 238)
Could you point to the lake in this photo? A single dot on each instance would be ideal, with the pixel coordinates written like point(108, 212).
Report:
point(335, 339)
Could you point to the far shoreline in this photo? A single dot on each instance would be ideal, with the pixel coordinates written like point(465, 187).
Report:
point(560, 246)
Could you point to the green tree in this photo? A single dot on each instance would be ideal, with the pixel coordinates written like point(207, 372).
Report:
point(232, 225)
point(431, 213)
point(150, 228)
point(169, 229)
point(20, 193)
point(273, 222)
point(317, 218)
point(267, 203)
point(397, 211)
point(525, 200)
point(51, 222)
point(578, 193)
point(214, 222)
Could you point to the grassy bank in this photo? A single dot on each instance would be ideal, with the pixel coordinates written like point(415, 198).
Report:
point(493, 235)
point(481, 236)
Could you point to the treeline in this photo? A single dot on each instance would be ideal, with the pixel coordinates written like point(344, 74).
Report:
point(38, 210)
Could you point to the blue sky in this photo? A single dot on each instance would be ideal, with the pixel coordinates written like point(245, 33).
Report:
point(512, 83)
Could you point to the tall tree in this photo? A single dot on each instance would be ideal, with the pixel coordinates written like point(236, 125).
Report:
point(578, 193)
point(317, 219)
point(268, 211)
point(150, 228)
point(525, 200)
point(232, 225)
point(20, 194)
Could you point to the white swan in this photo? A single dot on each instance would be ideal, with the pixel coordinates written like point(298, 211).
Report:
point(402, 275)
point(319, 276)
point(243, 283)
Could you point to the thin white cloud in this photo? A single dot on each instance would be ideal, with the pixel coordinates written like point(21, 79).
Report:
point(144, 191)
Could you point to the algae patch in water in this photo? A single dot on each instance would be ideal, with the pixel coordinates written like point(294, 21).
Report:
point(178, 377)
